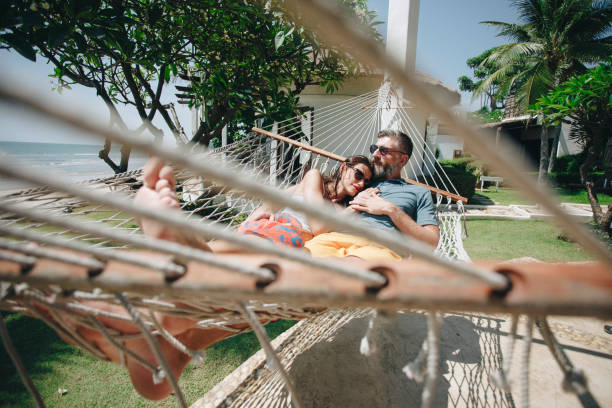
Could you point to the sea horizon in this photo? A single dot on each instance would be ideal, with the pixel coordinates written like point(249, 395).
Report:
point(74, 161)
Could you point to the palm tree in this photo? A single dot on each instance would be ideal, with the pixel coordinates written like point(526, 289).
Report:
point(555, 40)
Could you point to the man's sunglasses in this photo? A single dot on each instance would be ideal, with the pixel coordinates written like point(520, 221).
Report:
point(384, 150)
point(358, 173)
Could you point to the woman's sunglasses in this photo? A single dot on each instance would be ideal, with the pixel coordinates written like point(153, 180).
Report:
point(384, 150)
point(358, 173)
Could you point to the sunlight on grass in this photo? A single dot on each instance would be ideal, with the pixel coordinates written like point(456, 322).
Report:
point(507, 239)
point(507, 196)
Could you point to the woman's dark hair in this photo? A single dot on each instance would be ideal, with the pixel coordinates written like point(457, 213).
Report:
point(330, 183)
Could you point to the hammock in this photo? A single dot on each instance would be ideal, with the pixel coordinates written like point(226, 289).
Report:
point(279, 160)
point(278, 283)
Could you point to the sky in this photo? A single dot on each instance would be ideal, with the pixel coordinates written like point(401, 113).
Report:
point(448, 34)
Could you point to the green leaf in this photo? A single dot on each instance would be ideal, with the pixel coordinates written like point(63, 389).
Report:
point(279, 39)
point(20, 45)
point(57, 35)
point(166, 73)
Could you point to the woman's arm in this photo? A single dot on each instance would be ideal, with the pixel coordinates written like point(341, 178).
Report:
point(266, 210)
point(312, 189)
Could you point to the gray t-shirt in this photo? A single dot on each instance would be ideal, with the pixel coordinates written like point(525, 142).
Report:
point(412, 199)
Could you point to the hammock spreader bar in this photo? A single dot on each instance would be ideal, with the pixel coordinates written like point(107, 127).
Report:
point(537, 288)
point(337, 157)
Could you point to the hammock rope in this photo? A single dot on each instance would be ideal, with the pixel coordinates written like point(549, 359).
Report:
point(177, 250)
point(208, 185)
point(169, 269)
point(525, 360)
point(574, 380)
point(164, 371)
point(401, 243)
point(272, 357)
point(433, 358)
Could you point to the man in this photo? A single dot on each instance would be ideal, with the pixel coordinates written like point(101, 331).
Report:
point(390, 204)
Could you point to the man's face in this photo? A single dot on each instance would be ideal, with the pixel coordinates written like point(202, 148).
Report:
point(390, 164)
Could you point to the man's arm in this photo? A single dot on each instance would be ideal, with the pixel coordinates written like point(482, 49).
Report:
point(430, 234)
point(369, 201)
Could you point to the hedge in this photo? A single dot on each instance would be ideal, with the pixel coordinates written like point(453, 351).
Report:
point(460, 171)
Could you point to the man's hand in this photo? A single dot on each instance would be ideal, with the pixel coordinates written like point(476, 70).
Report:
point(369, 201)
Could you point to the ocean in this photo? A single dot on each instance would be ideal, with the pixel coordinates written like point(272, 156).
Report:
point(76, 162)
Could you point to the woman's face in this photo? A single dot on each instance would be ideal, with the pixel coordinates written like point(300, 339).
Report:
point(355, 177)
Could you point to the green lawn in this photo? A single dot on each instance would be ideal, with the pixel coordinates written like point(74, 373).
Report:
point(507, 196)
point(52, 364)
point(507, 239)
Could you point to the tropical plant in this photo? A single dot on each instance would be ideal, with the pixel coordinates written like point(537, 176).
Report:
point(484, 115)
point(554, 40)
point(494, 95)
point(585, 102)
point(245, 59)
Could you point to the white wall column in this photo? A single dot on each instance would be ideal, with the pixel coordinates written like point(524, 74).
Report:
point(402, 30)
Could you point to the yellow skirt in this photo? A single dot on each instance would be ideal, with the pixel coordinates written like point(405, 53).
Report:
point(341, 245)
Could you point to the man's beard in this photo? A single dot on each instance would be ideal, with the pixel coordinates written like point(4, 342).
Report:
point(382, 172)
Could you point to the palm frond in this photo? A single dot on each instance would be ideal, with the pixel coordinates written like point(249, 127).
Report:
point(531, 11)
point(591, 23)
point(499, 77)
point(514, 53)
point(514, 32)
point(538, 81)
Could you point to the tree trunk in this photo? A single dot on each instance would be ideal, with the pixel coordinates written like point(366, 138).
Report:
point(104, 155)
point(555, 146)
point(589, 185)
point(606, 221)
point(125, 157)
point(543, 171)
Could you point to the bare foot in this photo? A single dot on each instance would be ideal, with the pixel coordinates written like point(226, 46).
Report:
point(158, 192)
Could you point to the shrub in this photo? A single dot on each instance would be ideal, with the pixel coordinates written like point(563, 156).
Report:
point(460, 172)
point(571, 179)
point(567, 171)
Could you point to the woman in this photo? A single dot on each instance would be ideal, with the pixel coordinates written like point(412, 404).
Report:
point(293, 228)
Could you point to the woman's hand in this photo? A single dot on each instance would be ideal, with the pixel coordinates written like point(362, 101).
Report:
point(262, 212)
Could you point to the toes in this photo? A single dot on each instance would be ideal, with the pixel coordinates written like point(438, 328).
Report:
point(170, 202)
point(167, 173)
point(163, 184)
point(167, 196)
point(151, 170)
